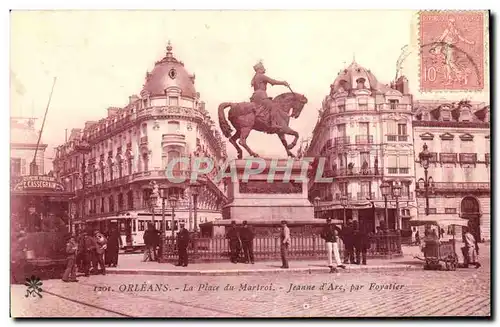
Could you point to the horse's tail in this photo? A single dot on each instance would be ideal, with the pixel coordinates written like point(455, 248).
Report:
point(223, 123)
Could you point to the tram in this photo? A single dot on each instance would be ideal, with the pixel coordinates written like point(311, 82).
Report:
point(131, 228)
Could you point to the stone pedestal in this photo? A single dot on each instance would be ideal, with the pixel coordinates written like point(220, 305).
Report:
point(278, 192)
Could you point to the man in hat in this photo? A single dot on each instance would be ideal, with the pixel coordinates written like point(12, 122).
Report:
point(260, 97)
point(100, 248)
point(182, 245)
point(247, 236)
point(234, 242)
point(360, 242)
point(469, 250)
point(330, 235)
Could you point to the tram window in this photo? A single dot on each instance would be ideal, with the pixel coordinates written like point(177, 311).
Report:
point(134, 225)
point(141, 225)
point(122, 226)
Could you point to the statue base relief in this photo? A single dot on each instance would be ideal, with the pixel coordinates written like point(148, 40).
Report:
point(268, 193)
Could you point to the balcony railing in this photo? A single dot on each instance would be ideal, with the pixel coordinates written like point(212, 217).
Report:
point(397, 138)
point(365, 195)
point(448, 157)
point(355, 171)
point(468, 158)
point(364, 139)
point(398, 170)
point(394, 106)
point(342, 140)
point(338, 196)
point(466, 186)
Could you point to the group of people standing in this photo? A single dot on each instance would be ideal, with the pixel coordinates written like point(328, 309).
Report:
point(240, 240)
point(90, 252)
point(356, 243)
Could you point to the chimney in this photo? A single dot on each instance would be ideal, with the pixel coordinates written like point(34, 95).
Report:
point(89, 123)
point(112, 111)
point(402, 85)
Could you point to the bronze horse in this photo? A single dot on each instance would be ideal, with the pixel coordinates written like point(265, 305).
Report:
point(247, 116)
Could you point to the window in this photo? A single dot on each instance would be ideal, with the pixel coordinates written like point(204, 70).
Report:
point(405, 212)
point(130, 165)
point(402, 129)
point(102, 205)
point(120, 201)
point(173, 101)
point(111, 201)
point(450, 210)
point(15, 166)
point(403, 164)
point(130, 200)
point(141, 225)
point(432, 211)
point(342, 160)
point(365, 159)
point(393, 104)
point(366, 189)
point(341, 131)
point(364, 128)
point(392, 161)
point(361, 83)
point(448, 174)
point(172, 155)
point(343, 188)
point(145, 160)
point(405, 190)
point(173, 127)
point(363, 104)
point(445, 115)
point(146, 195)
point(447, 146)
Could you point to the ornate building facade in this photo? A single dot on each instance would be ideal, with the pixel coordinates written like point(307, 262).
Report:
point(364, 132)
point(111, 164)
point(458, 137)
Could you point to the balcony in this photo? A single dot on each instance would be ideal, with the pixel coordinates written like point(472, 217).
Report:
point(365, 195)
point(394, 106)
point(398, 170)
point(468, 158)
point(397, 138)
point(144, 140)
point(364, 139)
point(342, 140)
point(355, 171)
point(174, 139)
point(456, 186)
point(448, 157)
point(339, 195)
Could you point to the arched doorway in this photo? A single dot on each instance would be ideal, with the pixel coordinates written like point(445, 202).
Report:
point(469, 209)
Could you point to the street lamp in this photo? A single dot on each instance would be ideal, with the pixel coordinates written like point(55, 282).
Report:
point(385, 188)
point(172, 202)
point(343, 202)
point(396, 193)
point(316, 204)
point(424, 157)
point(195, 190)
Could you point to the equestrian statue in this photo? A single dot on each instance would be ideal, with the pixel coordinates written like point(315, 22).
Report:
point(262, 114)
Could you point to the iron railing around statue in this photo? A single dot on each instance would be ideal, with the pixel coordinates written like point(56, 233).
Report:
point(267, 248)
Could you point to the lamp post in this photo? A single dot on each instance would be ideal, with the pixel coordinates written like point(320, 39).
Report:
point(152, 201)
point(396, 193)
point(163, 196)
point(385, 189)
point(424, 157)
point(172, 202)
point(195, 190)
point(316, 204)
point(343, 202)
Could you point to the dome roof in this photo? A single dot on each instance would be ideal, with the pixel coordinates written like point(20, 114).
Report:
point(169, 72)
point(348, 79)
point(22, 133)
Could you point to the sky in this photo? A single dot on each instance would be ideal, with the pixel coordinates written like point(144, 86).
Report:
point(100, 58)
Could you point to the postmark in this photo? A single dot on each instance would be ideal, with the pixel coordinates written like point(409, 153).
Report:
point(452, 48)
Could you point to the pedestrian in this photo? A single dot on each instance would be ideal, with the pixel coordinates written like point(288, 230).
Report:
point(347, 236)
point(441, 232)
point(234, 242)
point(417, 238)
point(114, 245)
point(149, 244)
point(100, 248)
point(413, 234)
point(182, 245)
point(69, 274)
point(361, 242)
point(470, 249)
point(330, 235)
point(247, 236)
point(285, 244)
point(87, 248)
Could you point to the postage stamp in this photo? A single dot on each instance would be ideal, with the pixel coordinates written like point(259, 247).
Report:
point(451, 50)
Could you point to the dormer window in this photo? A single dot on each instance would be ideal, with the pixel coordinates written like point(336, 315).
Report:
point(360, 83)
point(445, 115)
point(393, 104)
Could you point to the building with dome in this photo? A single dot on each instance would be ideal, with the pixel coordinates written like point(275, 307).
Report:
point(364, 130)
point(113, 164)
point(457, 135)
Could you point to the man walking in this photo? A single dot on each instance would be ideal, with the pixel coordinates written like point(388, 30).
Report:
point(234, 242)
point(247, 237)
point(149, 240)
point(71, 250)
point(114, 244)
point(285, 243)
point(360, 241)
point(470, 250)
point(182, 245)
point(330, 235)
point(101, 245)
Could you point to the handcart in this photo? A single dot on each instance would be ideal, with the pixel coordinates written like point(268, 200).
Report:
point(438, 255)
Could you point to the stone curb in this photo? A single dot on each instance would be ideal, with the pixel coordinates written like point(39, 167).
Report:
point(235, 272)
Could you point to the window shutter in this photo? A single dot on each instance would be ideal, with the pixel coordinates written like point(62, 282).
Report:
point(403, 162)
point(392, 161)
